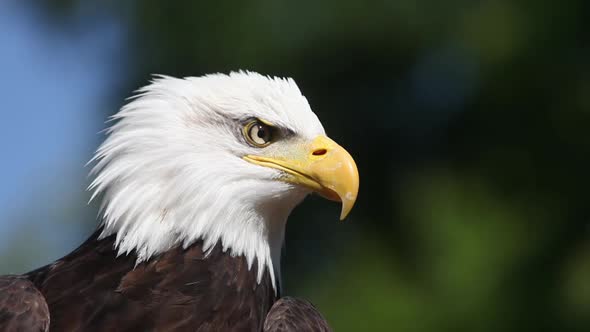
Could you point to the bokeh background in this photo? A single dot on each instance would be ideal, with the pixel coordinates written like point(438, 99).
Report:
point(469, 121)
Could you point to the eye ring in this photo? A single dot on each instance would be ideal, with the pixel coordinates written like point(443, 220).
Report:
point(258, 133)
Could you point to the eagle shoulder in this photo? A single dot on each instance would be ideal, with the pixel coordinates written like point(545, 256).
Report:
point(22, 306)
point(291, 314)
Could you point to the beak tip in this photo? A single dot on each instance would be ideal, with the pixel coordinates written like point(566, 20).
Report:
point(347, 205)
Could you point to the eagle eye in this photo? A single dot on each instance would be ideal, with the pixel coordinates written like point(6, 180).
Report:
point(258, 134)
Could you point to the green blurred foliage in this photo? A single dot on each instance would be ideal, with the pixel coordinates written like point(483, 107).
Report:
point(469, 122)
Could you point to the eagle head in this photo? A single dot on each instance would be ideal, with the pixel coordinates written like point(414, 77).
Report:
point(220, 158)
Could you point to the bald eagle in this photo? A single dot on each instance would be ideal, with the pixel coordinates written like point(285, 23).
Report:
point(196, 179)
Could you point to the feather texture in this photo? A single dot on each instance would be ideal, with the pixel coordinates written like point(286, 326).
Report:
point(92, 289)
point(290, 314)
point(171, 170)
point(22, 306)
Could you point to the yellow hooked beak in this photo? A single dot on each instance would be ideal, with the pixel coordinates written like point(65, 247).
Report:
point(322, 166)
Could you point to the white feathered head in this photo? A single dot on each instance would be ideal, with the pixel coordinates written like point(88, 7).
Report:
point(218, 158)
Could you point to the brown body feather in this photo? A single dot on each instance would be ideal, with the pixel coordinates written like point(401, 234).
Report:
point(181, 290)
point(290, 314)
point(92, 289)
point(22, 306)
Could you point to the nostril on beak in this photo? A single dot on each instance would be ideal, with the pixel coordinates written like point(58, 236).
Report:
point(320, 152)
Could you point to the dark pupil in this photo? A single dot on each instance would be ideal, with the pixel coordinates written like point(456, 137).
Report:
point(261, 132)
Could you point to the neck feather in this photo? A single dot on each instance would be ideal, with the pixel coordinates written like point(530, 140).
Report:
point(242, 227)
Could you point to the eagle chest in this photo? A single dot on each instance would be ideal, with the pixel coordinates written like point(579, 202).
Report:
point(181, 290)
